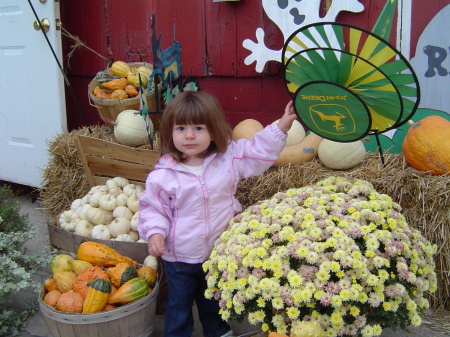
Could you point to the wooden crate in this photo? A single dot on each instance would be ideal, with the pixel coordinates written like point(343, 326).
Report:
point(101, 161)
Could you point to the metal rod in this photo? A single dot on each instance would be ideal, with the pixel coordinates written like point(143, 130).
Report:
point(66, 80)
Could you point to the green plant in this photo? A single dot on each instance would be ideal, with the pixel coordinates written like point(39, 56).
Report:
point(17, 266)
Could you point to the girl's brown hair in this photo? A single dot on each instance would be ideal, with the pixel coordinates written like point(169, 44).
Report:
point(194, 107)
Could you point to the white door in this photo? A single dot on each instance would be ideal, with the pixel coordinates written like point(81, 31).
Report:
point(32, 105)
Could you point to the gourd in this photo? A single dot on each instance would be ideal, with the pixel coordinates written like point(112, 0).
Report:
point(119, 226)
point(76, 205)
point(100, 232)
point(130, 128)
point(70, 302)
point(94, 198)
point(83, 228)
point(131, 90)
point(129, 189)
point(119, 94)
point(101, 93)
point(52, 297)
point(121, 273)
point(79, 265)
point(306, 329)
point(295, 134)
point(145, 70)
point(112, 85)
point(82, 280)
point(148, 274)
point(131, 291)
point(101, 255)
point(104, 76)
point(151, 261)
point(120, 69)
point(65, 280)
point(341, 156)
point(305, 151)
point(97, 296)
point(426, 145)
point(50, 284)
point(246, 129)
point(134, 80)
point(61, 262)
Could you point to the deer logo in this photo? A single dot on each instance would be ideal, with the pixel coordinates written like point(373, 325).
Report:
point(336, 119)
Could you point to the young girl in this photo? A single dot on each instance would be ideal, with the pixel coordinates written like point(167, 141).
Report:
point(189, 199)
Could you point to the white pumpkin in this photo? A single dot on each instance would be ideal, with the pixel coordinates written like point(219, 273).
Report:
point(151, 261)
point(76, 205)
point(95, 198)
point(134, 235)
point(119, 226)
point(83, 211)
point(130, 128)
point(110, 183)
point(84, 228)
point(134, 221)
point(122, 212)
point(341, 156)
point(133, 203)
point(100, 232)
point(124, 237)
point(96, 215)
point(107, 202)
point(122, 199)
point(121, 182)
point(296, 133)
point(68, 220)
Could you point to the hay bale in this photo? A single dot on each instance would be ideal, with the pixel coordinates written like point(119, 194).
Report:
point(425, 199)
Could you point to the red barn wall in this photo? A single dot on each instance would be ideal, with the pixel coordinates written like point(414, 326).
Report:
point(211, 36)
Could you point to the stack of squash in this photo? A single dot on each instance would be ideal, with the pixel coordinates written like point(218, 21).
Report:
point(121, 81)
point(99, 279)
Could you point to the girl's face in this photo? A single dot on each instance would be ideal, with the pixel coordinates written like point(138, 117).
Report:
point(191, 139)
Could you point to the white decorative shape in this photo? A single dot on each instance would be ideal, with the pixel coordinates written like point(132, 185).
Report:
point(290, 15)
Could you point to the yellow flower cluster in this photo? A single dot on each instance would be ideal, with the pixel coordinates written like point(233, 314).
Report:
point(337, 253)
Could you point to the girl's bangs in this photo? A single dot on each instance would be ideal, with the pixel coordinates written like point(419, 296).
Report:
point(189, 114)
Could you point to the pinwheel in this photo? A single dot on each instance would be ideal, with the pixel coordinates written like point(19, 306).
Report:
point(347, 82)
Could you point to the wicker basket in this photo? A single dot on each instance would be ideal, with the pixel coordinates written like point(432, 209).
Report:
point(109, 109)
point(135, 319)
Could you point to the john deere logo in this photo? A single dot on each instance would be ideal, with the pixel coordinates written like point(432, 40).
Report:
point(332, 111)
point(332, 118)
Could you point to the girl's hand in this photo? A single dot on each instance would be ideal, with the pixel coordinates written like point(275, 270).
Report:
point(288, 118)
point(156, 245)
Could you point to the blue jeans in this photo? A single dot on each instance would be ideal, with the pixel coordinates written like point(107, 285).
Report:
point(186, 284)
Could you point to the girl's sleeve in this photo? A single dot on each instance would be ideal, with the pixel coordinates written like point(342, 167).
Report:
point(254, 157)
point(154, 209)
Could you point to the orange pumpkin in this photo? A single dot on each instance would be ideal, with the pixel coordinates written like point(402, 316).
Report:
point(276, 334)
point(70, 302)
point(88, 275)
point(52, 297)
point(426, 145)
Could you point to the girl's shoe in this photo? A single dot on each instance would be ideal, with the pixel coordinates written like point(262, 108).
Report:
point(228, 334)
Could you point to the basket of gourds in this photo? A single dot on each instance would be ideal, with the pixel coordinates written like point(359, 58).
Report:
point(115, 89)
point(96, 289)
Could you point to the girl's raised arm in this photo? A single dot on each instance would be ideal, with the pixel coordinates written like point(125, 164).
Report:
point(288, 118)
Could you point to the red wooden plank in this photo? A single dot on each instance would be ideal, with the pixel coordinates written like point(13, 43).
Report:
point(84, 20)
point(188, 17)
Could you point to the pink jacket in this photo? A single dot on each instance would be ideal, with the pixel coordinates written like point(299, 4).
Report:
point(191, 212)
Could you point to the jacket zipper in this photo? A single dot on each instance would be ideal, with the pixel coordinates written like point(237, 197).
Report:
point(207, 212)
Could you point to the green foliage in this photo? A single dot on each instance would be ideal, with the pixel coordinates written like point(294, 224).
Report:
point(16, 265)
